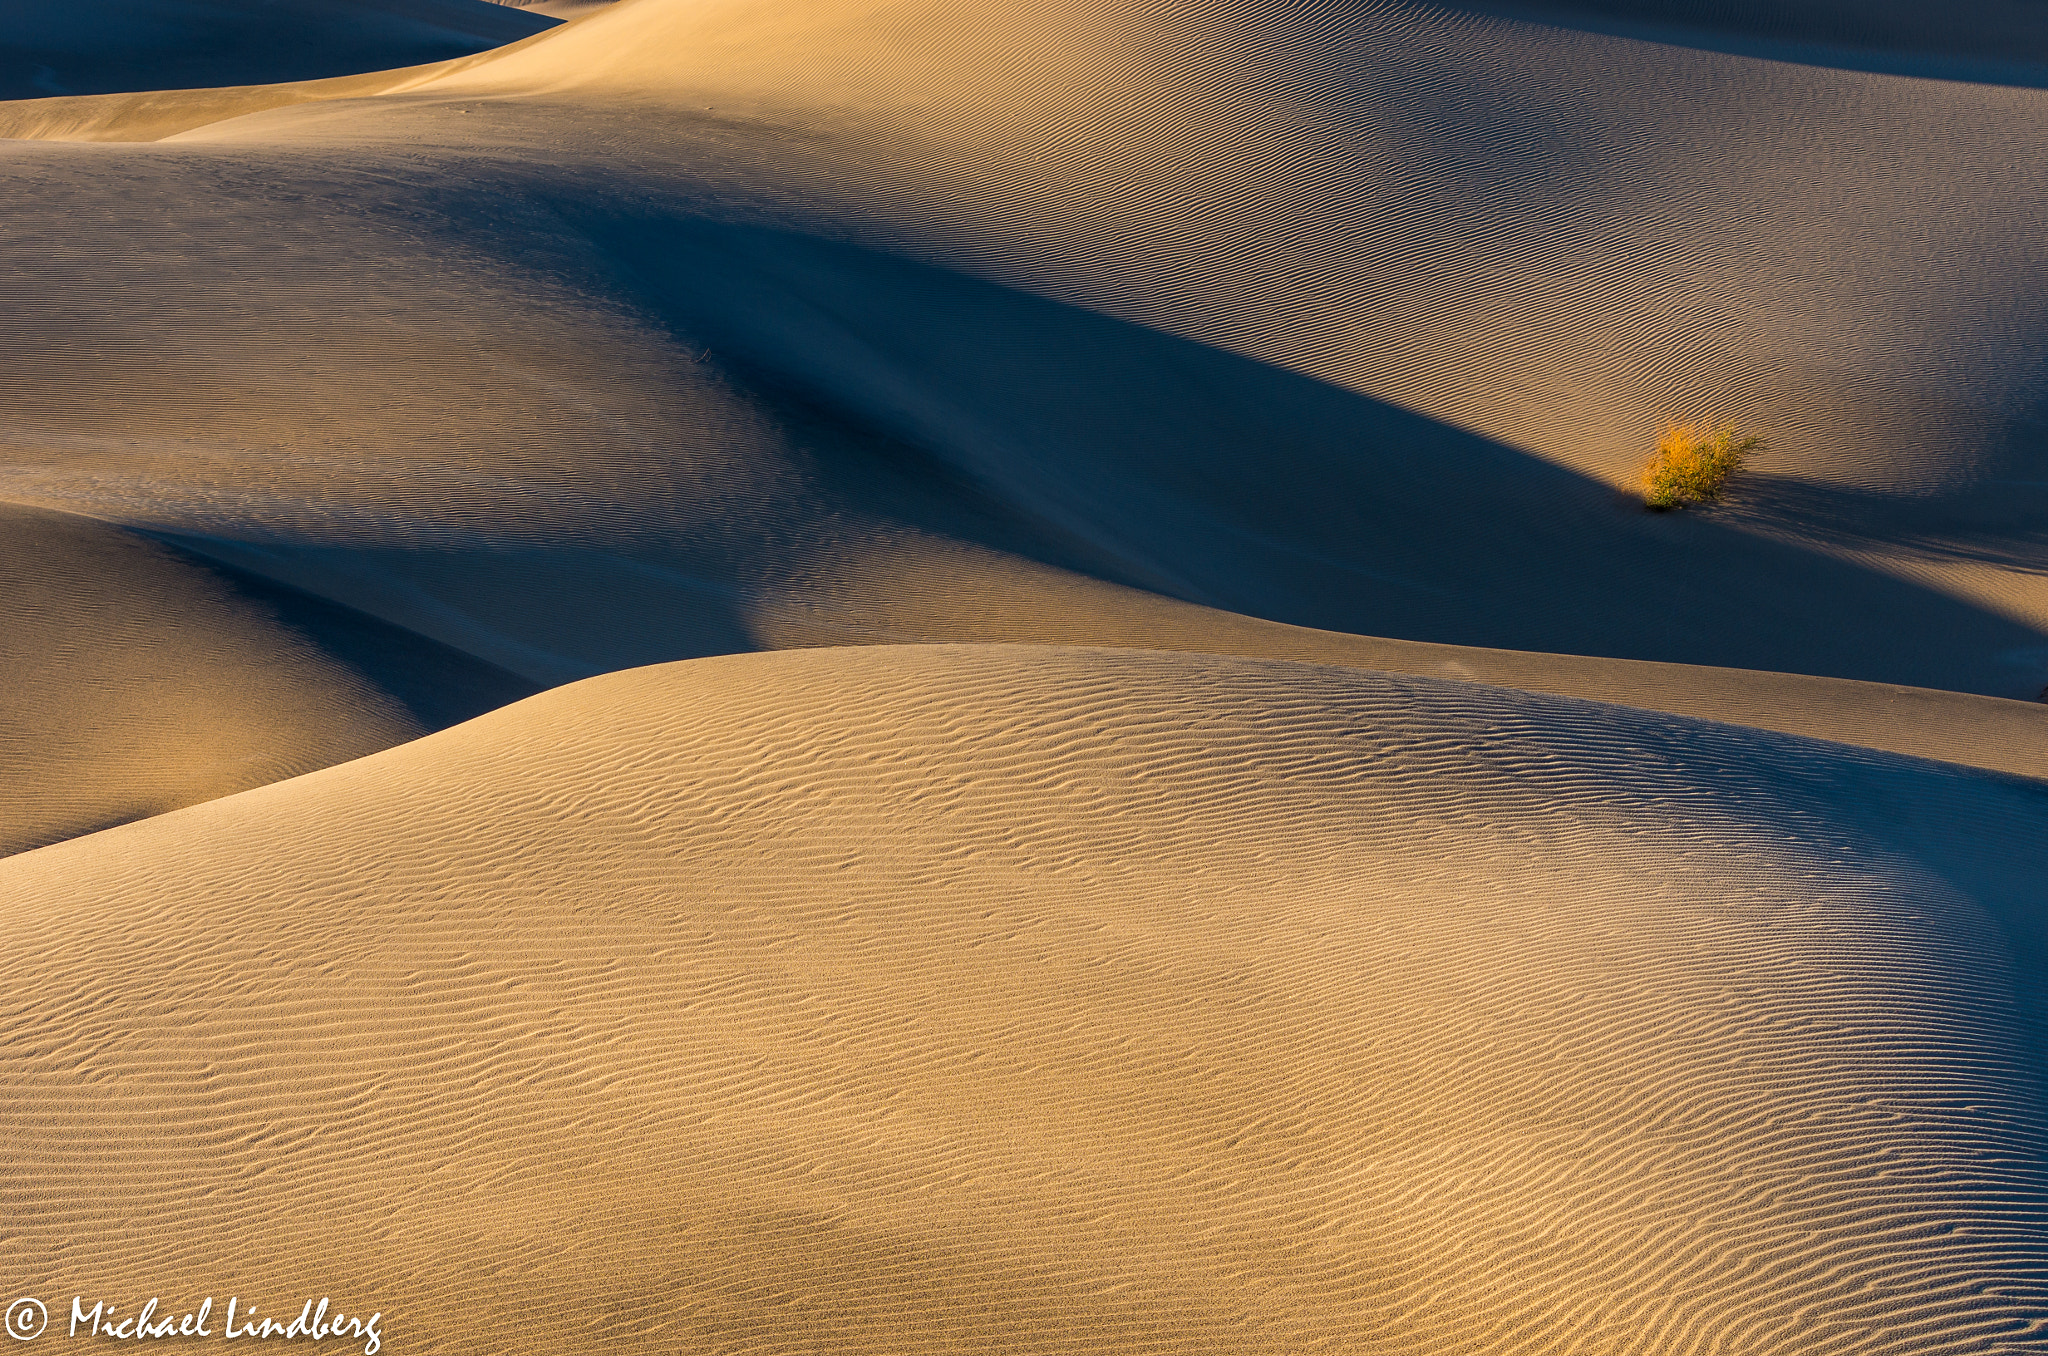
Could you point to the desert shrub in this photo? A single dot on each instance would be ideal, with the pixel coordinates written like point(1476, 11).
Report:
point(1693, 463)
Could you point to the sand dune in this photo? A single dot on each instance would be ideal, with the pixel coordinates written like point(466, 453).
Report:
point(138, 679)
point(2001, 41)
point(142, 678)
point(1401, 897)
point(67, 49)
point(567, 9)
point(1235, 307)
point(1325, 186)
point(1018, 999)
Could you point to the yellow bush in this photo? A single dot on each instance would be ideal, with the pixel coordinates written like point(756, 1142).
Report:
point(1693, 463)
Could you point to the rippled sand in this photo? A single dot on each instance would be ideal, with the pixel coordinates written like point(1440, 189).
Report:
point(1121, 769)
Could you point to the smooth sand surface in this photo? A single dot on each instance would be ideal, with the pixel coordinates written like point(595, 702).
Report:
point(1016, 999)
point(1349, 880)
point(55, 47)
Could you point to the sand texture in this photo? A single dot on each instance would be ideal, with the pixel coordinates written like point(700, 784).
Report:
point(871, 676)
point(1018, 999)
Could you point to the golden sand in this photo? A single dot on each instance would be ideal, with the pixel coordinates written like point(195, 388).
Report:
point(1125, 769)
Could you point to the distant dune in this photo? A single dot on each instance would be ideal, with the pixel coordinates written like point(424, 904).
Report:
point(55, 47)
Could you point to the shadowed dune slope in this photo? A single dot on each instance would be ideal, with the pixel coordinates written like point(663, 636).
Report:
point(568, 432)
point(135, 679)
point(1351, 317)
point(2002, 41)
point(1019, 999)
point(1547, 235)
point(70, 47)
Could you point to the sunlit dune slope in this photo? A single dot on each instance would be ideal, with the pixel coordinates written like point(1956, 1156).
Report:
point(64, 47)
point(135, 679)
point(1354, 318)
point(1018, 999)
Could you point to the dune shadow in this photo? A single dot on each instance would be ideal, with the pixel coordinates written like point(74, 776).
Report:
point(1998, 43)
point(438, 684)
point(2001, 522)
point(1160, 462)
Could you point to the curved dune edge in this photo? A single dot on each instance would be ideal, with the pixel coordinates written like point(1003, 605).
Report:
point(138, 682)
point(113, 46)
point(166, 729)
point(152, 115)
point(963, 597)
point(139, 679)
point(1024, 999)
point(1994, 41)
point(1229, 171)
